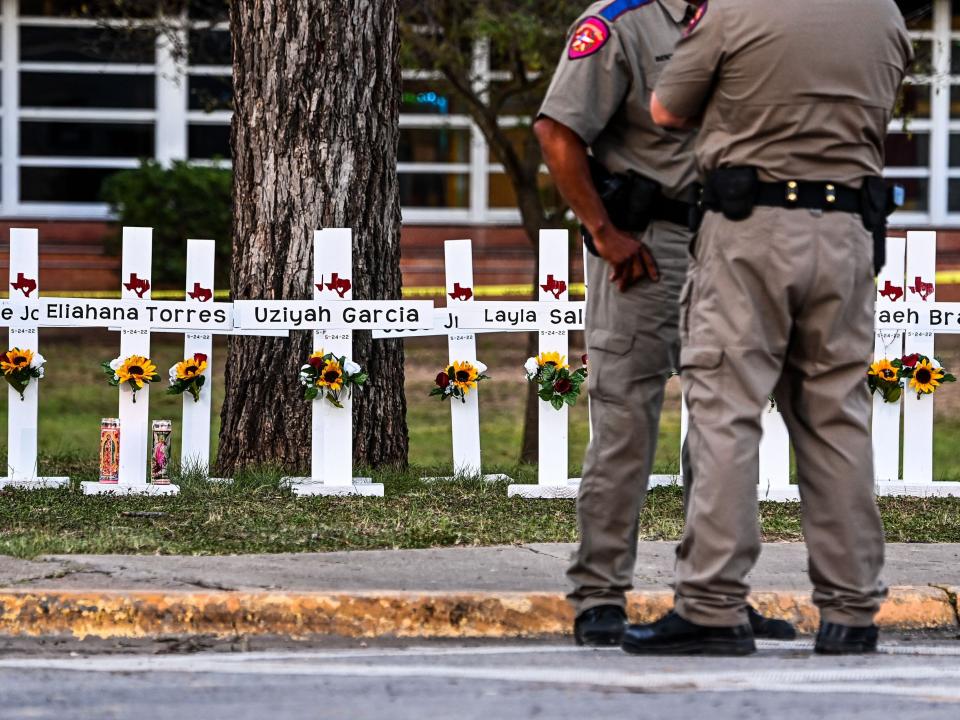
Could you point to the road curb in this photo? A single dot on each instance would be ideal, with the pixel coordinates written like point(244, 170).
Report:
point(145, 614)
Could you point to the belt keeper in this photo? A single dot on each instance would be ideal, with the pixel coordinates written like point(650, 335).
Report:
point(831, 193)
point(793, 193)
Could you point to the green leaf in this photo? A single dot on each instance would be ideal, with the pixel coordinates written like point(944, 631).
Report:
point(333, 400)
point(311, 393)
point(557, 403)
point(546, 394)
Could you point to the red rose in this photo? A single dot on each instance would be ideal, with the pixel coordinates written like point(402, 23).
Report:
point(316, 363)
point(911, 360)
point(443, 380)
point(562, 386)
point(583, 358)
point(199, 358)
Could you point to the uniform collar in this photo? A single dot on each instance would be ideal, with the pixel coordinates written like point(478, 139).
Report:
point(678, 9)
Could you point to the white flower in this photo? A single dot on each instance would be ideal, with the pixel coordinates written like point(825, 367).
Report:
point(116, 377)
point(531, 367)
point(351, 368)
point(936, 363)
point(481, 368)
point(116, 363)
point(38, 361)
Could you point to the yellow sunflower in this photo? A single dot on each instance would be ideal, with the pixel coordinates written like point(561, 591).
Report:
point(331, 376)
point(137, 370)
point(464, 376)
point(884, 370)
point(191, 368)
point(926, 378)
point(15, 359)
point(552, 358)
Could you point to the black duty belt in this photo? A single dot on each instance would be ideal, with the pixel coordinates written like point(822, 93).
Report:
point(800, 194)
point(672, 211)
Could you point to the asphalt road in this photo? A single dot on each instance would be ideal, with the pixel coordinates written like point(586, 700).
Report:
point(911, 679)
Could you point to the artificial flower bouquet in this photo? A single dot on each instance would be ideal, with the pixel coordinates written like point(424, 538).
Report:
point(331, 378)
point(558, 384)
point(920, 373)
point(134, 372)
point(188, 376)
point(458, 379)
point(20, 366)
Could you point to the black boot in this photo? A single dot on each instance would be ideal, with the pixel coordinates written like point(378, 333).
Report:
point(836, 639)
point(769, 628)
point(672, 635)
point(600, 626)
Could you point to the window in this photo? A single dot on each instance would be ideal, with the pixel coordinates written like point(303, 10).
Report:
point(923, 148)
point(96, 96)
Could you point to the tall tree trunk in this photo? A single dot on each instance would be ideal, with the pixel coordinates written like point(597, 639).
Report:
point(315, 132)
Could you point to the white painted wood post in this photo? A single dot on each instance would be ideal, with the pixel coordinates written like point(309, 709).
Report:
point(889, 345)
point(775, 458)
point(553, 453)
point(331, 466)
point(22, 414)
point(195, 433)
point(136, 273)
point(918, 412)
point(464, 416)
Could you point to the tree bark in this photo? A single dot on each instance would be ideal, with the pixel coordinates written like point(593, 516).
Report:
point(315, 132)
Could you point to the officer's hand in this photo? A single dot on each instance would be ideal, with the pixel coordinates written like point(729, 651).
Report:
point(641, 265)
point(615, 246)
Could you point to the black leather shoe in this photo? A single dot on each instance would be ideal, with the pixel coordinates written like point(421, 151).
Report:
point(672, 635)
point(600, 626)
point(836, 639)
point(769, 628)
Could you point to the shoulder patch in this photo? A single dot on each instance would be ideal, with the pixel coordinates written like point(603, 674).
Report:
point(590, 35)
point(697, 17)
point(618, 7)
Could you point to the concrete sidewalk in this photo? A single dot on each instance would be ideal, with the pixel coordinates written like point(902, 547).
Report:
point(450, 592)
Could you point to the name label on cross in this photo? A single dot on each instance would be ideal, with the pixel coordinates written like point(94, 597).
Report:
point(550, 315)
point(918, 317)
point(333, 315)
point(153, 314)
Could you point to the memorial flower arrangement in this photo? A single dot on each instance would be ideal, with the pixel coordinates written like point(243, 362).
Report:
point(458, 379)
point(20, 366)
point(884, 377)
point(921, 374)
point(188, 376)
point(135, 372)
point(330, 377)
point(924, 375)
point(559, 385)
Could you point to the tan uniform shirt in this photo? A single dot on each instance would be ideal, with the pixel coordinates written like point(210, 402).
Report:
point(601, 89)
point(800, 90)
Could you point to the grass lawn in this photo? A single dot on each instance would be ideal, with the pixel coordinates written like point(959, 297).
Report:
point(255, 515)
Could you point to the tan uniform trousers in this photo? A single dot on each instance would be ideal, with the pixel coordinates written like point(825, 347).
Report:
point(780, 303)
point(633, 344)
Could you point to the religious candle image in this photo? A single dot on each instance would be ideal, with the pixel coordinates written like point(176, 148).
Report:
point(160, 459)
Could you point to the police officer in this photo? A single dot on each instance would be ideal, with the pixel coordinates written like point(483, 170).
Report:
point(793, 101)
point(633, 197)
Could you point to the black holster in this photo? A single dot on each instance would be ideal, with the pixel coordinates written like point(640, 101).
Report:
point(628, 198)
point(877, 204)
point(732, 191)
